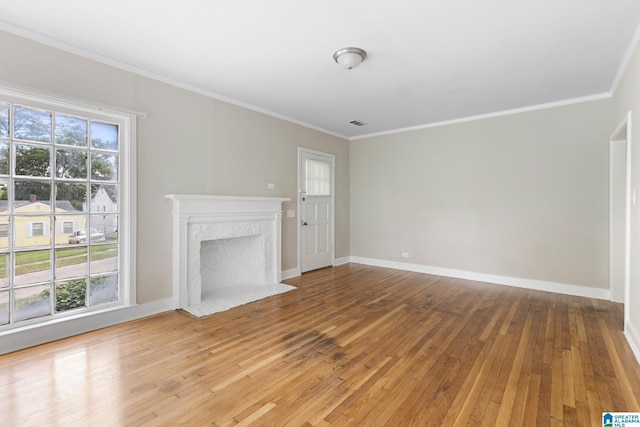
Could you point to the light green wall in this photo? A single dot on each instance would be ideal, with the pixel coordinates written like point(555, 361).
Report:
point(523, 195)
point(189, 144)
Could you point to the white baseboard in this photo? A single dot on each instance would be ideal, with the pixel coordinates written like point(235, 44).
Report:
point(288, 274)
point(36, 334)
point(341, 261)
point(633, 338)
point(295, 272)
point(539, 285)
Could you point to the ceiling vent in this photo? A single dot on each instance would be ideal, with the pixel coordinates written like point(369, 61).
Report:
point(357, 123)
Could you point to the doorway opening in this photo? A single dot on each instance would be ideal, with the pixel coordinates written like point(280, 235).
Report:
point(621, 199)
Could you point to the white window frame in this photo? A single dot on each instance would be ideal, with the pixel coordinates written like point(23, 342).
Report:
point(127, 122)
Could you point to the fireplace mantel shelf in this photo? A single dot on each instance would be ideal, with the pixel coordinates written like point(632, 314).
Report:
point(225, 198)
point(199, 205)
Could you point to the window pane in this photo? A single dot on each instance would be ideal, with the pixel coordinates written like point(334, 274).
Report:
point(104, 136)
point(71, 197)
point(106, 227)
point(104, 247)
point(70, 229)
point(318, 182)
point(104, 289)
point(104, 167)
point(4, 195)
point(71, 262)
point(31, 125)
point(32, 267)
point(70, 295)
point(32, 196)
point(71, 164)
point(4, 279)
point(104, 258)
point(31, 231)
point(71, 131)
point(4, 307)
point(104, 198)
point(4, 158)
point(4, 120)
point(34, 301)
point(33, 161)
point(4, 232)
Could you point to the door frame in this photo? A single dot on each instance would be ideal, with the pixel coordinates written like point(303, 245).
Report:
point(331, 158)
point(622, 134)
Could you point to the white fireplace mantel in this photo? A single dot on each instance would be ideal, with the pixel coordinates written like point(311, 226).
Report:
point(197, 217)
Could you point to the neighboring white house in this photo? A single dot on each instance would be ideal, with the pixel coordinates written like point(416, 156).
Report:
point(103, 204)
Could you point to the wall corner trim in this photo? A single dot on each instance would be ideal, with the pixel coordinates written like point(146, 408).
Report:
point(288, 274)
point(341, 261)
point(633, 338)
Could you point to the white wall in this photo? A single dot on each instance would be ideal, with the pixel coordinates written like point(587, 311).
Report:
point(519, 196)
point(188, 143)
point(626, 98)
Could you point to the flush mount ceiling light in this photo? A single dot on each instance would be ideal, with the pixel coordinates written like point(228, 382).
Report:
point(349, 57)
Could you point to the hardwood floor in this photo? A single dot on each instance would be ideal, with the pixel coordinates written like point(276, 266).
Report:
point(353, 345)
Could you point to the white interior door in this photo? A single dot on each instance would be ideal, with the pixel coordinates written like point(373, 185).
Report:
point(315, 204)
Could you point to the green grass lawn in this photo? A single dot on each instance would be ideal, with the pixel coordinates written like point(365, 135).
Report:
point(28, 262)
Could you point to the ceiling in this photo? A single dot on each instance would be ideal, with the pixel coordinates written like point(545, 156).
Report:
point(428, 61)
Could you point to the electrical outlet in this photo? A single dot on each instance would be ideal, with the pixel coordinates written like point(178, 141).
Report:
point(291, 213)
point(405, 254)
point(271, 186)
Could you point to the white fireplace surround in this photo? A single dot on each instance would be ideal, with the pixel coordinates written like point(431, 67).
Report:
point(204, 218)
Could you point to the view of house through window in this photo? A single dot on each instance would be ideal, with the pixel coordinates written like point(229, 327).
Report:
point(59, 213)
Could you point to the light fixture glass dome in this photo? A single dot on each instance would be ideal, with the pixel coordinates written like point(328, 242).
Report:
point(349, 57)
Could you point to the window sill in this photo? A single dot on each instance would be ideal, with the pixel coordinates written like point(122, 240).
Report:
point(39, 333)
